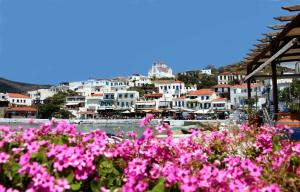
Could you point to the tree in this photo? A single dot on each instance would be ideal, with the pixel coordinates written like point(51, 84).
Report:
point(291, 96)
point(53, 106)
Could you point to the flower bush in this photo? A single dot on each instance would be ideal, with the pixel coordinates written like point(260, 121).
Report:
point(56, 157)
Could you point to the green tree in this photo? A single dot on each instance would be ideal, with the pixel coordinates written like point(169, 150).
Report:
point(53, 106)
point(291, 96)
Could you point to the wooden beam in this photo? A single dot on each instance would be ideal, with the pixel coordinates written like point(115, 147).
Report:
point(261, 45)
point(275, 56)
point(284, 76)
point(264, 40)
point(285, 18)
point(271, 34)
point(292, 8)
point(294, 23)
point(277, 27)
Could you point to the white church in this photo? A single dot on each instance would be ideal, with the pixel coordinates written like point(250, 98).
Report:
point(160, 70)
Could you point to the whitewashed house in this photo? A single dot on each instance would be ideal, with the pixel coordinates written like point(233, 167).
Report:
point(160, 70)
point(38, 96)
point(126, 100)
point(92, 102)
point(200, 100)
point(239, 95)
point(75, 104)
point(18, 100)
point(137, 80)
point(149, 102)
point(228, 77)
point(171, 87)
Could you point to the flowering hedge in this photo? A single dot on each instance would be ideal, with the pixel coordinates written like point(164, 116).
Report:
point(56, 157)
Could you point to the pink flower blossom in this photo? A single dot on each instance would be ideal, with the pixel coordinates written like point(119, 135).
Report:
point(3, 157)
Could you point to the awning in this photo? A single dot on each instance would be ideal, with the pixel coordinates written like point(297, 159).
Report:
point(73, 103)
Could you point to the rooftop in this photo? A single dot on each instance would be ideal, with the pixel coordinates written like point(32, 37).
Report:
point(200, 92)
point(17, 95)
point(22, 109)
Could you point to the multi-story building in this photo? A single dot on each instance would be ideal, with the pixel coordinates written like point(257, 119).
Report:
point(92, 103)
point(228, 77)
point(137, 80)
point(160, 70)
point(38, 96)
point(119, 83)
point(75, 104)
point(239, 95)
point(18, 100)
point(126, 100)
point(171, 87)
point(200, 100)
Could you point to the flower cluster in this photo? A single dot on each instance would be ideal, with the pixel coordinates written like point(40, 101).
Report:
point(55, 157)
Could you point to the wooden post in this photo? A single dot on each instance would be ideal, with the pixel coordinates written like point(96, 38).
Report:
point(249, 90)
point(274, 81)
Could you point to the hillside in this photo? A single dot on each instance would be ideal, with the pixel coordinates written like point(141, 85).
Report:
point(19, 87)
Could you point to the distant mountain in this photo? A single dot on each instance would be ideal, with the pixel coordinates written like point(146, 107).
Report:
point(19, 87)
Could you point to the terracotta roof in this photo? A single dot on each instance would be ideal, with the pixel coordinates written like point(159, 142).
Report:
point(97, 94)
point(201, 92)
point(220, 99)
point(22, 109)
point(222, 86)
point(17, 95)
point(244, 85)
point(154, 95)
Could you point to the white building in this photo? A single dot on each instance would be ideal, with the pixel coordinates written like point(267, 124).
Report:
point(137, 80)
point(171, 87)
point(200, 100)
point(119, 83)
point(38, 96)
point(75, 104)
point(126, 100)
point(92, 103)
point(160, 70)
point(206, 71)
point(18, 100)
point(239, 95)
point(227, 77)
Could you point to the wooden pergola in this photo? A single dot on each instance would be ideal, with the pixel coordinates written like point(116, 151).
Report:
point(278, 46)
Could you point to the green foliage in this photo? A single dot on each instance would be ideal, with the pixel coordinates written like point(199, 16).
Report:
point(160, 186)
point(145, 89)
point(291, 96)
point(53, 106)
point(196, 78)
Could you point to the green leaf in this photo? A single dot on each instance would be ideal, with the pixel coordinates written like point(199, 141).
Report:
point(94, 186)
point(76, 186)
point(160, 186)
point(276, 143)
point(70, 177)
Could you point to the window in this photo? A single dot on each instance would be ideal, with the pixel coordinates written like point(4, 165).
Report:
point(177, 87)
point(173, 86)
point(122, 104)
point(207, 97)
point(120, 96)
point(131, 95)
point(161, 87)
point(220, 77)
point(126, 95)
point(234, 90)
point(202, 97)
point(17, 100)
point(169, 87)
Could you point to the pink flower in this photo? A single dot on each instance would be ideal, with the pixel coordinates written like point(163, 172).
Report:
point(148, 133)
point(3, 157)
point(2, 188)
point(63, 183)
point(271, 188)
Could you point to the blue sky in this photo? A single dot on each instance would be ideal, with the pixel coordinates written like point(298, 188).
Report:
point(50, 41)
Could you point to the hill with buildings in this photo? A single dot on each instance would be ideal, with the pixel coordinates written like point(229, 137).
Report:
point(19, 87)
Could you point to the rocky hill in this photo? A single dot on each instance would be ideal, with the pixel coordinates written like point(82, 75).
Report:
point(19, 87)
